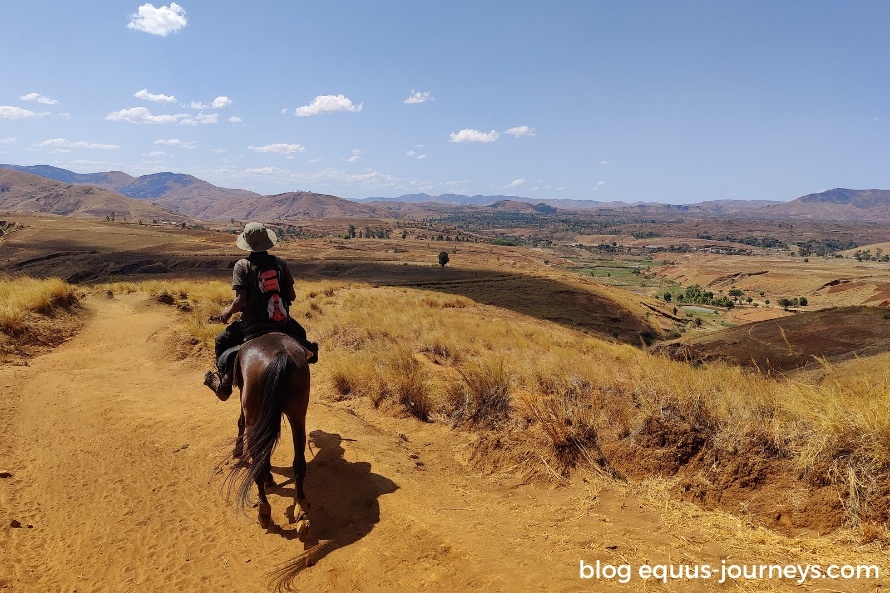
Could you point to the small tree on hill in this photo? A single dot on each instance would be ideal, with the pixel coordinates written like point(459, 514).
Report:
point(443, 258)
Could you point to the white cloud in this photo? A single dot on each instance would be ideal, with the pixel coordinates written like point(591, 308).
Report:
point(144, 94)
point(369, 178)
point(198, 105)
point(411, 153)
point(264, 171)
point(468, 135)
point(155, 154)
point(8, 112)
point(356, 155)
point(235, 119)
point(418, 97)
point(415, 155)
point(221, 102)
point(285, 149)
point(219, 150)
point(515, 183)
point(327, 104)
point(420, 157)
point(201, 118)
point(39, 98)
point(314, 160)
point(176, 142)
point(598, 185)
point(61, 145)
point(141, 115)
point(158, 21)
point(520, 131)
point(8, 140)
point(604, 162)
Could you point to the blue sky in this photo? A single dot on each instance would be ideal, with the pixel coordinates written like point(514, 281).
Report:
point(655, 101)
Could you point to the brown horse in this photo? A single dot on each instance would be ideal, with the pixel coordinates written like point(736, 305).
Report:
point(273, 376)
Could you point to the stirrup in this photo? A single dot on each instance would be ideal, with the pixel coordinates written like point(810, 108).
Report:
point(216, 381)
point(212, 380)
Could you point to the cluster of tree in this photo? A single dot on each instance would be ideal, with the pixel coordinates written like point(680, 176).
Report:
point(645, 234)
point(823, 247)
point(294, 232)
point(764, 242)
point(866, 255)
point(509, 241)
point(543, 221)
point(696, 295)
point(795, 302)
point(369, 233)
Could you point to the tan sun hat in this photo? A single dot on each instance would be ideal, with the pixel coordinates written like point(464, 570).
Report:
point(256, 237)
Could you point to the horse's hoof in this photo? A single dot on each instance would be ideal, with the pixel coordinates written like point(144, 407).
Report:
point(264, 514)
point(303, 530)
point(304, 505)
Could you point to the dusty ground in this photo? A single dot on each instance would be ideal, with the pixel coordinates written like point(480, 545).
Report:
point(114, 450)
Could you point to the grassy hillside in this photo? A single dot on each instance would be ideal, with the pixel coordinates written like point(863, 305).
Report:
point(794, 453)
point(34, 315)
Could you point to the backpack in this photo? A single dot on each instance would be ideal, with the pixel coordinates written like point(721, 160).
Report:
point(273, 307)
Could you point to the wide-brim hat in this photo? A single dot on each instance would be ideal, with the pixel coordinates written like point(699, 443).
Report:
point(256, 237)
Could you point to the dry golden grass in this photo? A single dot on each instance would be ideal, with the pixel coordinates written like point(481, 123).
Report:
point(21, 296)
point(558, 395)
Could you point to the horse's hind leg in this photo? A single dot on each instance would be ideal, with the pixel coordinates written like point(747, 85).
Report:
point(299, 434)
point(300, 460)
point(239, 441)
point(264, 509)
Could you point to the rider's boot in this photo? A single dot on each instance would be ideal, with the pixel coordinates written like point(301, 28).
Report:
point(311, 351)
point(220, 383)
point(225, 386)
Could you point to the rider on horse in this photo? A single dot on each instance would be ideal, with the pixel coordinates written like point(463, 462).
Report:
point(264, 289)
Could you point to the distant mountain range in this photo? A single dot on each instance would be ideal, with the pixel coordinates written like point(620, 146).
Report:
point(872, 205)
point(22, 192)
point(194, 198)
point(188, 196)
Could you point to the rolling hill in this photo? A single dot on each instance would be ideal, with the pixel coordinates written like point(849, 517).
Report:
point(195, 198)
point(871, 205)
point(26, 193)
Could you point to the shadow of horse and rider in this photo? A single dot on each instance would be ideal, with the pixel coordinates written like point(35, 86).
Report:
point(345, 506)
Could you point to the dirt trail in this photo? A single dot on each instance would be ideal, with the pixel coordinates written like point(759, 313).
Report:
point(114, 449)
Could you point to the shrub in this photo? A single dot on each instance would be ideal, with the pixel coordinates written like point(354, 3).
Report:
point(404, 381)
point(483, 395)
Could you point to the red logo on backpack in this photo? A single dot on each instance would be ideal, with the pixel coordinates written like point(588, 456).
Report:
point(268, 281)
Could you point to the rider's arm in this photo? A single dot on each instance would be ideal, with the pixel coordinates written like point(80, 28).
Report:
point(236, 307)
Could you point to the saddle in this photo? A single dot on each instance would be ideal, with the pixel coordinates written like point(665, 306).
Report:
point(226, 360)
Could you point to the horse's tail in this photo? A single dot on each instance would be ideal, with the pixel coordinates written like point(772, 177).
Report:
point(262, 437)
